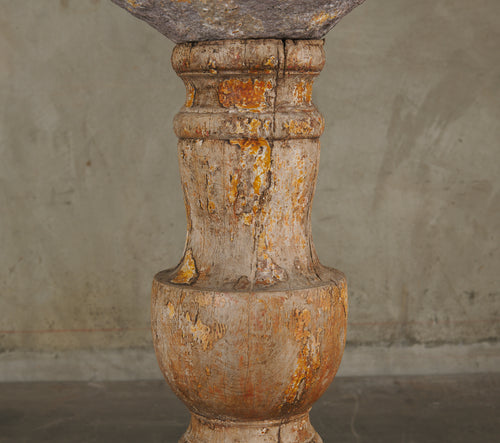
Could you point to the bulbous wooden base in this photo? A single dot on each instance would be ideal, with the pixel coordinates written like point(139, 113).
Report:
point(246, 361)
point(294, 430)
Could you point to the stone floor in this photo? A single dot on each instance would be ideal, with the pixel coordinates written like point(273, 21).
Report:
point(432, 409)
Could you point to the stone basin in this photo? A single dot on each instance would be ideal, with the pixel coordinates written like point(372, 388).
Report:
point(199, 20)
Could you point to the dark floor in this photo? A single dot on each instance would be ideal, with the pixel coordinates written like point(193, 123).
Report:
point(458, 409)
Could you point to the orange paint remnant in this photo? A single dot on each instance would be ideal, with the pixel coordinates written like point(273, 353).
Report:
point(302, 93)
point(132, 4)
point(188, 214)
point(299, 181)
point(300, 193)
point(208, 372)
point(327, 301)
point(200, 332)
point(343, 299)
point(204, 334)
point(248, 95)
point(170, 310)
point(322, 17)
point(190, 93)
point(302, 319)
point(187, 272)
point(301, 127)
point(247, 219)
point(210, 188)
point(271, 61)
point(308, 361)
point(211, 207)
point(268, 272)
point(261, 151)
point(255, 152)
point(247, 126)
point(202, 131)
point(233, 189)
point(239, 129)
point(212, 67)
point(254, 125)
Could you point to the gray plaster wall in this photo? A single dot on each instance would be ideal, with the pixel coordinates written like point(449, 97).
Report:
point(407, 203)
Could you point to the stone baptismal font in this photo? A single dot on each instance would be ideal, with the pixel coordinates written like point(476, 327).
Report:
point(249, 328)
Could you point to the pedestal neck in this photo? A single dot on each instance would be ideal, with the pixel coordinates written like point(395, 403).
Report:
point(249, 153)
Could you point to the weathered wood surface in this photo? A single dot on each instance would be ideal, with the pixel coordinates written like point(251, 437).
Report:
point(198, 20)
point(249, 328)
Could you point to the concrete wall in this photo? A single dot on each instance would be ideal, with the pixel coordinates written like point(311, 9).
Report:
point(407, 204)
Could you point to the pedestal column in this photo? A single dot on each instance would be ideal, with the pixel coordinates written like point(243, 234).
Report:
point(249, 328)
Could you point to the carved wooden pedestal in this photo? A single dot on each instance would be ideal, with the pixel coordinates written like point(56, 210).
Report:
point(249, 328)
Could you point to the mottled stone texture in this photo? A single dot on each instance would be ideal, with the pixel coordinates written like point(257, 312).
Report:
point(199, 20)
point(249, 328)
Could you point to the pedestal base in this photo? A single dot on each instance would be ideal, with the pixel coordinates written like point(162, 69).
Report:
point(295, 430)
